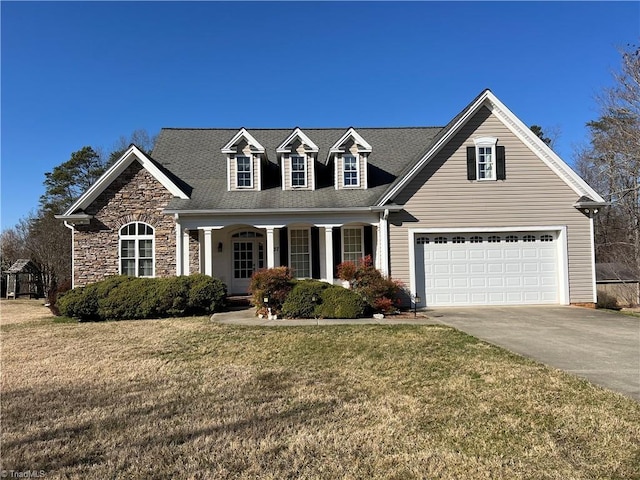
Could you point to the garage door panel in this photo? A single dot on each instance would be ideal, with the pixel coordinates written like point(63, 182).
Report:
point(488, 269)
point(513, 268)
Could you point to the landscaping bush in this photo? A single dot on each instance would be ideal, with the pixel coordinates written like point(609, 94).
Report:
point(300, 303)
point(379, 293)
point(206, 295)
point(339, 302)
point(274, 283)
point(79, 303)
point(123, 297)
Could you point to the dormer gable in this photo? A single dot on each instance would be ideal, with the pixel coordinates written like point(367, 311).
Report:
point(349, 155)
point(244, 162)
point(297, 157)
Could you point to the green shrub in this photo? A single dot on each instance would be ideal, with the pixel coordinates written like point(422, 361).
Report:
point(206, 294)
point(339, 302)
point(273, 283)
point(79, 303)
point(122, 297)
point(300, 302)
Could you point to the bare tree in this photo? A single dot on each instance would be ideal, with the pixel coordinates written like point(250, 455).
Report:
point(611, 164)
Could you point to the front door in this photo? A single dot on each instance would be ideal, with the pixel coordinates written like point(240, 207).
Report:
point(248, 256)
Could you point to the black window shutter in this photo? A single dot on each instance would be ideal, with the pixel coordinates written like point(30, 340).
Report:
point(337, 249)
point(368, 240)
point(315, 252)
point(471, 163)
point(501, 171)
point(284, 247)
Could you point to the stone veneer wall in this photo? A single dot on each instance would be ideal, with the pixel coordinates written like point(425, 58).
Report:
point(194, 251)
point(135, 196)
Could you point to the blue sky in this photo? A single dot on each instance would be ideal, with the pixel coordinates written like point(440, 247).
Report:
point(87, 73)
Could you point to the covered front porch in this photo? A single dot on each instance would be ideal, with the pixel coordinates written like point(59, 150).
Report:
point(232, 249)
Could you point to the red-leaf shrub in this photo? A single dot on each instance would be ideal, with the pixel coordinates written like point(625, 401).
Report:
point(272, 283)
point(379, 293)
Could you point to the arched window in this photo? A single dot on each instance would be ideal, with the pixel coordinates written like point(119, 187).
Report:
point(137, 250)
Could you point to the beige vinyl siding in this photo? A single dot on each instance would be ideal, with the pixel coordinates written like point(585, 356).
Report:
point(532, 195)
point(245, 150)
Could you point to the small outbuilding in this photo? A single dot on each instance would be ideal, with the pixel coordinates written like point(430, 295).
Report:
point(24, 278)
point(618, 285)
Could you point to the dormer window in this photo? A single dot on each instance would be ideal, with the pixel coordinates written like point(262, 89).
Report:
point(297, 156)
point(350, 155)
point(351, 171)
point(244, 162)
point(244, 172)
point(298, 171)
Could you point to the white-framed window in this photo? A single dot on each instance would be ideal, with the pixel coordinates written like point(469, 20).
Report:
point(300, 252)
point(351, 171)
point(137, 250)
point(298, 171)
point(486, 158)
point(244, 172)
point(352, 244)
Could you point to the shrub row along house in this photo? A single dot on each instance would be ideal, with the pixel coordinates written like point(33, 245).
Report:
point(479, 212)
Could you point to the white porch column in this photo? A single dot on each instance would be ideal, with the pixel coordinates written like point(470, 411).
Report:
point(208, 252)
point(179, 247)
point(328, 256)
point(383, 241)
point(185, 252)
point(271, 259)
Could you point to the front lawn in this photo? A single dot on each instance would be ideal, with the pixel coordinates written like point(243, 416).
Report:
point(186, 398)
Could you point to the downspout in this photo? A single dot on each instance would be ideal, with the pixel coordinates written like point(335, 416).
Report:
point(179, 253)
point(73, 253)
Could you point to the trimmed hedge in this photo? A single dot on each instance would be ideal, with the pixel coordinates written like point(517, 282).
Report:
point(339, 302)
point(300, 303)
point(122, 297)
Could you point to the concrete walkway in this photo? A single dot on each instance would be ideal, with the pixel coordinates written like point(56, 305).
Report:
point(600, 346)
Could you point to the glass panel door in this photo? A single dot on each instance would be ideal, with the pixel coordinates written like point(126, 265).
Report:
point(243, 265)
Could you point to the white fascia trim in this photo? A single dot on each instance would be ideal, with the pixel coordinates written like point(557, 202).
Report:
point(562, 245)
point(434, 149)
point(519, 129)
point(127, 158)
point(541, 149)
point(230, 147)
point(529, 228)
point(363, 145)
point(297, 133)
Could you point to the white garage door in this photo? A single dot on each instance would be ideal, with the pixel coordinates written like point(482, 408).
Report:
point(501, 268)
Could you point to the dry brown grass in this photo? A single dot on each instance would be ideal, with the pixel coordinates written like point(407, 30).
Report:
point(191, 399)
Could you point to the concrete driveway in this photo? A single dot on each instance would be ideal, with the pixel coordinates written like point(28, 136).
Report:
point(601, 346)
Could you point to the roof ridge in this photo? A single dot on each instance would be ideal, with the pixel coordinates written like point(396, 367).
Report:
point(413, 127)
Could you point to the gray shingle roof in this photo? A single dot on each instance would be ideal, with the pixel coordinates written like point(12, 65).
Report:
point(194, 156)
